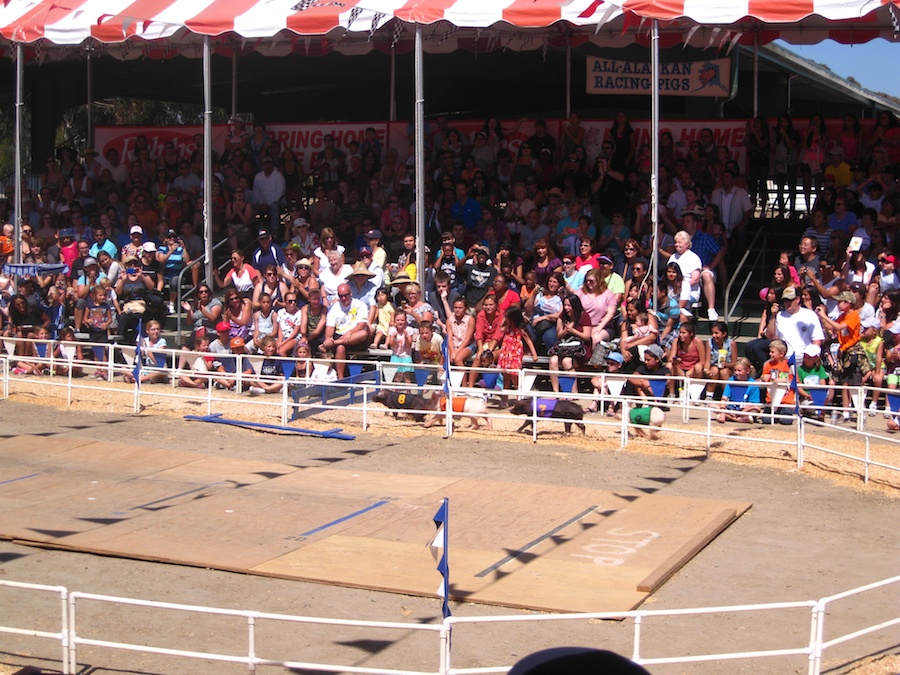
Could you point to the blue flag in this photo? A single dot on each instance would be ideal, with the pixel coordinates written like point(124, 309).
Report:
point(445, 352)
point(792, 362)
point(439, 551)
point(136, 371)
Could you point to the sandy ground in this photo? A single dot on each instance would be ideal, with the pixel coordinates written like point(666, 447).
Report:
point(810, 533)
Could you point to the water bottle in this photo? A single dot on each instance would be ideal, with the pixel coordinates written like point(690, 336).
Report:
point(723, 357)
point(835, 348)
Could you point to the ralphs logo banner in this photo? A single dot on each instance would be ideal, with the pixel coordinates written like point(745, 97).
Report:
point(681, 78)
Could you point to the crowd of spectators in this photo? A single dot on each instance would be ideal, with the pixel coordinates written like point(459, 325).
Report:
point(532, 250)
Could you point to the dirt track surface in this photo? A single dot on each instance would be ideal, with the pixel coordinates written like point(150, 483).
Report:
point(804, 538)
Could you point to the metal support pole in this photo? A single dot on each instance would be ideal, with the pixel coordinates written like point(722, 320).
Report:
point(20, 114)
point(392, 111)
point(654, 153)
point(234, 86)
point(420, 157)
point(90, 96)
point(207, 158)
point(756, 74)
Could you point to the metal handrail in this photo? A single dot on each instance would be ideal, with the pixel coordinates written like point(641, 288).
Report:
point(181, 294)
point(729, 310)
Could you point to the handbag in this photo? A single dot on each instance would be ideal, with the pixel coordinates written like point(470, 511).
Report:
point(572, 349)
point(598, 356)
point(134, 307)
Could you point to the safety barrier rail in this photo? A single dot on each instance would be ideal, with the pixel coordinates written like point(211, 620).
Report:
point(318, 389)
point(74, 633)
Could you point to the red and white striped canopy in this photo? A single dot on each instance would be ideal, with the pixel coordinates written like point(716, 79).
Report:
point(258, 24)
point(725, 12)
point(72, 22)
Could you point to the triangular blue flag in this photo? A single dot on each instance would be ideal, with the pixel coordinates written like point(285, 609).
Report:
point(441, 516)
point(792, 362)
point(439, 547)
point(445, 351)
point(136, 370)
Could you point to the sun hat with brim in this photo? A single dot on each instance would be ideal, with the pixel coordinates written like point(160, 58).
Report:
point(402, 278)
point(360, 270)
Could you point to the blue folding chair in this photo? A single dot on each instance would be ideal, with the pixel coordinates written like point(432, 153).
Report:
point(566, 383)
point(658, 387)
point(229, 363)
point(894, 403)
point(739, 392)
point(818, 398)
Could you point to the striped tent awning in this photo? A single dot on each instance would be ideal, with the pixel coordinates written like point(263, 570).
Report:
point(612, 22)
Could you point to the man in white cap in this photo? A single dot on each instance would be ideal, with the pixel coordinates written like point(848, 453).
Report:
point(798, 326)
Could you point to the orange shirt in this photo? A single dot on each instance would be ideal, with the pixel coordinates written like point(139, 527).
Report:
point(850, 335)
point(781, 373)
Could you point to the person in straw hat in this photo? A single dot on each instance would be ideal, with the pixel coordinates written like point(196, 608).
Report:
point(361, 284)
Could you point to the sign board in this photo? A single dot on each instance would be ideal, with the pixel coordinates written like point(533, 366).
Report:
point(681, 78)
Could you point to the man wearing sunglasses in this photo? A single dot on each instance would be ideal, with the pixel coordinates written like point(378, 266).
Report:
point(346, 328)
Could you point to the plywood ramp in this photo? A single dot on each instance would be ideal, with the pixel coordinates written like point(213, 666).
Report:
point(534, 546)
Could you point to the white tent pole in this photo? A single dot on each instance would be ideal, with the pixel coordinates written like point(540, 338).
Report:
point(756, 74)
point(392, 111)
point(654, 151)
point(568, 80)
point(20, 114)
point(234, 88)
point(207, 158)
point(420, 158)
point(90, 96)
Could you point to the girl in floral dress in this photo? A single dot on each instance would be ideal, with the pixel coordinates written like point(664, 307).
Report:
point(512, 347)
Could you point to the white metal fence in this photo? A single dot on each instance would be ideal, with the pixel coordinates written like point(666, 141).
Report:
point(78, 629)
point(320, 392)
